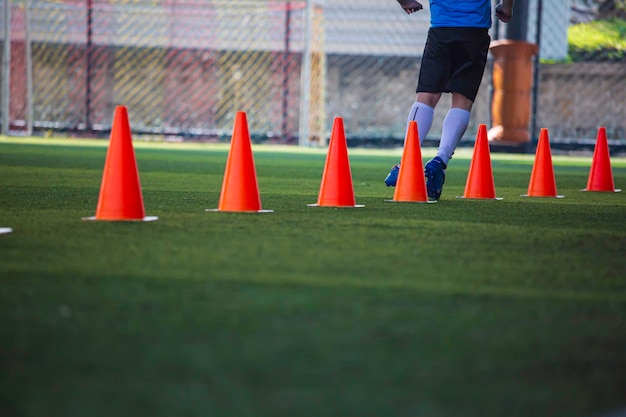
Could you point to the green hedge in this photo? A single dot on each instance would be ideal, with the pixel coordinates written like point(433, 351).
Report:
point(600, 40)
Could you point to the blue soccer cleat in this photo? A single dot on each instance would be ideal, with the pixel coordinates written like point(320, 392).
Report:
point(435, 177)
point(392, 177)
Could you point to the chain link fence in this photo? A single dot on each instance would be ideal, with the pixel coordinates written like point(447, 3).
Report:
point(579, 90)
point(185, 67)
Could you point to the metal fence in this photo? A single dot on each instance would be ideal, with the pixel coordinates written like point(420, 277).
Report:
point(185, 67)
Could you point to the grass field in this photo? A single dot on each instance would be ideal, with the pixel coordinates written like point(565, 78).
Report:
point(460, 308)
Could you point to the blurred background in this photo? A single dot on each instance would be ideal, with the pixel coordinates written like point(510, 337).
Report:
point(185, 67)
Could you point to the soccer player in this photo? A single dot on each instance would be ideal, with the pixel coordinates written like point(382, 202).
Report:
point(453, 61)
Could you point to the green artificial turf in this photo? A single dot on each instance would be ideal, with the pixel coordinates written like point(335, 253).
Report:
point(460, 308)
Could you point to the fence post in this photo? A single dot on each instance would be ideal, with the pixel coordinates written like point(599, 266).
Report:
point(88, 53)
point(29, 70)
point(305, 76)
point(517, 29)
point(6, 68)
point(535, 93)
point(285, 72)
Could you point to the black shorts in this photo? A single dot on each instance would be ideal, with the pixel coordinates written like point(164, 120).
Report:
point(454, 61)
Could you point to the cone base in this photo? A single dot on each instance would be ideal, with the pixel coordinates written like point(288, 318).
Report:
point(324, 205)
point(542, 196)
point(144, 219)
point(412, 201)
point(4, 230)
point(616, 190)
point(479, 198)
point(240, 211)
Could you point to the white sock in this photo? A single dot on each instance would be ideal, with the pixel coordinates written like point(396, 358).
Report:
point(423, 114)
point(454, 126)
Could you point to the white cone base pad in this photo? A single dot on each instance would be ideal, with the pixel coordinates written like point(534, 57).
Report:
point(5, 230)
point(145, 219)
point(355, 206)
point(240, 211)
point(542, 196)
point(473, 198)
point(617, 190)
point(412, 202)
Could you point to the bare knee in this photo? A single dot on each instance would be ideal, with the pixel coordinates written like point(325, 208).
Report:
point(430, 99)
point(459, 101)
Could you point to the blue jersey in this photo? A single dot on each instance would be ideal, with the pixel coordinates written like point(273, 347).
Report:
point(460, 13)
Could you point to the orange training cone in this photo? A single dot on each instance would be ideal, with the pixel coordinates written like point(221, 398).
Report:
point(336, 189)
point(120, 193)
point(601, 174)
point(480, 183)
point(240, 190)
point(411, 184)
point(542, 182)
